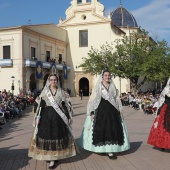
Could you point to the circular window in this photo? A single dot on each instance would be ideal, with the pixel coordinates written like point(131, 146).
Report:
point(83, 17)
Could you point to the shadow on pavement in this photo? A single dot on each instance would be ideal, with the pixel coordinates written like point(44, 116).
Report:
point(134, 146)
point(76, 104)
point(159, 149)
point(83, 154)
point(14, 124)
point(77, 107)
point(79, 114)
point(13, 159)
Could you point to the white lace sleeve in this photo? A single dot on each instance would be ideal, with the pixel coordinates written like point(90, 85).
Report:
point(94, 99)
point(165, 91)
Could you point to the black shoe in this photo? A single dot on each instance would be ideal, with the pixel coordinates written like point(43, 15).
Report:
point(112, 157)
point(54, 165)
point(163, 149)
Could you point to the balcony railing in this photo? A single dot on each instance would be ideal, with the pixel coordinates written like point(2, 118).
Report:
point(6, 62)
point(32, 63)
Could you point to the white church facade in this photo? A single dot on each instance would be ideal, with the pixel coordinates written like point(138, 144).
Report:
point(63, 45)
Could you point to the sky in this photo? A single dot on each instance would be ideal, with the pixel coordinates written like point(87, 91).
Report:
point(152, 15)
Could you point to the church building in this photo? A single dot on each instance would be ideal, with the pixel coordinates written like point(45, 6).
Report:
point(30, 52)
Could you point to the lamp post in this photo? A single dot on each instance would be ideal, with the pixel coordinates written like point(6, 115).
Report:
point(12, 87)
point(19, 82)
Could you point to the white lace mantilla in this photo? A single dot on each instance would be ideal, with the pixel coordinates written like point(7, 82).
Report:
point(107, 96)
point(100, 91)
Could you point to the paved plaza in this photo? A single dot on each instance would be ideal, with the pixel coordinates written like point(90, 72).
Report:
point(15, 138)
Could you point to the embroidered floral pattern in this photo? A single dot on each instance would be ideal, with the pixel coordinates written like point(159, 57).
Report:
point(159, 136)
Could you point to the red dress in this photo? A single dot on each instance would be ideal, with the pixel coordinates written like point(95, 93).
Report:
point(160, 132)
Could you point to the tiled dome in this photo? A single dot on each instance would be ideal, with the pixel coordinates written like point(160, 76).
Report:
point(123, 18)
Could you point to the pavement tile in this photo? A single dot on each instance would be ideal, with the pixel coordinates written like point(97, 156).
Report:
point(15, 137)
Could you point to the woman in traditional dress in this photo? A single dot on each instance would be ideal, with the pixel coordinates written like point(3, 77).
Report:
point(52, 139)
point(104, 130)
point(160, 132)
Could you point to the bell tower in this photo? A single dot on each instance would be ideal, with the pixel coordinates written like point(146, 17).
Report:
point(83, 1)
point(84, 5)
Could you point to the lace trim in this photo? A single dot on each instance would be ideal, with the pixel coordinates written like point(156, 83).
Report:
point(53, 144)
point(111, 142)
point(67, 151)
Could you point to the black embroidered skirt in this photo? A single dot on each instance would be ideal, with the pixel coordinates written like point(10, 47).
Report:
point(53, 133)
point(107, 127)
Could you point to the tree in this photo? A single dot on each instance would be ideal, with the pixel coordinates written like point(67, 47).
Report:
point(133, 56)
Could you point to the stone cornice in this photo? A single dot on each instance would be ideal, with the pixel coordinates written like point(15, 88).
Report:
point(82, 24)
point(92, 10)
point(45, 37)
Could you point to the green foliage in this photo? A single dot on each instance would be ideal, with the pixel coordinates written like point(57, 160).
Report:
point(133, 56)
point(97, 60)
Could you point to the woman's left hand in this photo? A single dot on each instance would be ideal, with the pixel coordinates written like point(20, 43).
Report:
point(122, 116)
point(37, 121)
point(69, 121)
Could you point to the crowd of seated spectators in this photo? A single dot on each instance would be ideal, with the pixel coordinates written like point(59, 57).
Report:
point(13, 105)
point(147, 102)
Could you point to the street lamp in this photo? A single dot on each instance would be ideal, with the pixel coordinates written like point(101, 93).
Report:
point(12, 87)
point(19, 82)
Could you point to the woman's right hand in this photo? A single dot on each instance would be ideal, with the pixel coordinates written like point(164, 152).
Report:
point(92, 117)
point(37, 121)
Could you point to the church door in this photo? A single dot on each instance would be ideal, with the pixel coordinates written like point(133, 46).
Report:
point(84, 86)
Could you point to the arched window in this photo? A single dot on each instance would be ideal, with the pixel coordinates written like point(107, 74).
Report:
point(79, 1)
